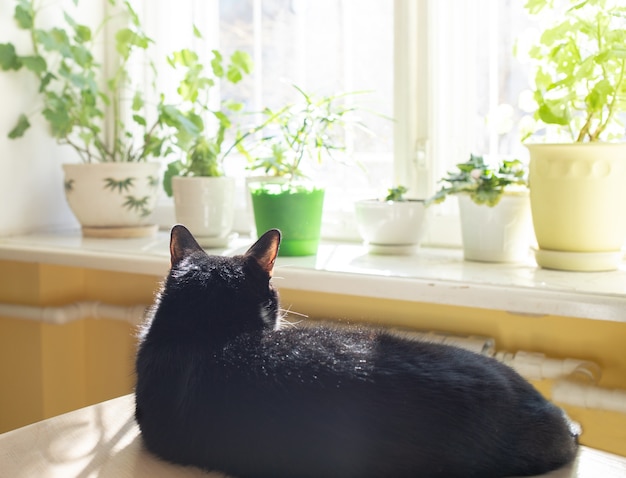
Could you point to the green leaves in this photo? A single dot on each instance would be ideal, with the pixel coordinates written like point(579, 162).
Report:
point(484, 183)
point(75, 95)
point(8, 58)
point(396, 194)
point(240, 65)
point(36, 64)
point(599, 95)
point(74, 92)
point(175, 168)
point(554, 112)
point(580, 63)
point(24, 14)
point(20, 128)
point(203, 158)
point(305, 130)
point(202, 149)
point(126, 40)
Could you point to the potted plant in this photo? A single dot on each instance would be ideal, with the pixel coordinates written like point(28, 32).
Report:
point(393, 224)
point(494, 208)
point(300, 135)
point(204, 198)
point(114, 190)
point(577, 189)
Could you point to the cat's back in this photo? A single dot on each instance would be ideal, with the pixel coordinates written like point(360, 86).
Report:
point(379, 398)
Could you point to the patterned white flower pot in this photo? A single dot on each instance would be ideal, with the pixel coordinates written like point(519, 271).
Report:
point(501, 233)
point(113, 199)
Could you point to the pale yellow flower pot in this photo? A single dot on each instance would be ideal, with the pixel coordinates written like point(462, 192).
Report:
point(578, 203)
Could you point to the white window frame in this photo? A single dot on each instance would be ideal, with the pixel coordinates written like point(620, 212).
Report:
point(434, 94)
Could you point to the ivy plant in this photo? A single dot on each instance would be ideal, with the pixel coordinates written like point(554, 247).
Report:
point(484, 183)
point(580, 64)
point(76, 101)
point(396, 194)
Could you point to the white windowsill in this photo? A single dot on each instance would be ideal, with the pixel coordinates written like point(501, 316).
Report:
point(438, 276)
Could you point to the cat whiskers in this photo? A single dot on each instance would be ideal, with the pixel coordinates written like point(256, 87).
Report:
point(282, 318)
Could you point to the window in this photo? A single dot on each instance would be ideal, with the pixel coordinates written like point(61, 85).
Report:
point(443, 69)
point(475, 87)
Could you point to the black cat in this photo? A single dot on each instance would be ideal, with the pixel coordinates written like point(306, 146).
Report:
point(222, 386)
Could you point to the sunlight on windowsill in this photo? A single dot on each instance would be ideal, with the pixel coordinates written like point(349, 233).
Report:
point(432, 275)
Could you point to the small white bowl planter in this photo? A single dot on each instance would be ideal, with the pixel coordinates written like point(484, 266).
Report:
point(206, 206)
point(113, 199)
point(391, 227)
point(501, 233)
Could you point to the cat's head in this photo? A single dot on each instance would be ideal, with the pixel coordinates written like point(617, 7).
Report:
point(216, 295)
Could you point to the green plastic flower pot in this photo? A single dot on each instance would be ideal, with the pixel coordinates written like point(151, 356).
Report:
point(294, 209)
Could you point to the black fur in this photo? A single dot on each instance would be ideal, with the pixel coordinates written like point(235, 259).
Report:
point(222, 387)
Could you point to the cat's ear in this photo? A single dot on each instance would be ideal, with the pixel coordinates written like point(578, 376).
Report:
point(182, 243)
point(265, 250)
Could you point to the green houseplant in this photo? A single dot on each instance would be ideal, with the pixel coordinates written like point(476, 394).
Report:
point(494, 208)
point(86, 107)
point(577, 191)
point(204, 197)
point(298, 136)
point(483, 183)
point(393, 224)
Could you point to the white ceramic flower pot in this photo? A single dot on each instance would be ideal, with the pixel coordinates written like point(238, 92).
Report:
point(113, 199)
point(391, 227)
point(206, 206)
point(578, 195)
point(501, 233)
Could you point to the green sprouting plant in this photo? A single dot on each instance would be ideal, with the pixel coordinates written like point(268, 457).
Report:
point(396, 194)
point(306, 130)
point(204, 148)
point(580, 61)
point(77, 102)
point(484, 183)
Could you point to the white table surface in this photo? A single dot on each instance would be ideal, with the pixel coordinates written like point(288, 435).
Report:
point(103, 441)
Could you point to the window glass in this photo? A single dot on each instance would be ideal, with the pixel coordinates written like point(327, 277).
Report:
point(473, 94)
point(323, 47)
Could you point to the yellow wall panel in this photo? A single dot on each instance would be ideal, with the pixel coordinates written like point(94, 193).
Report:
point(122, 289)
point(60, 285)
point(19, 282)
point(47, 369)
point(109, 359)
point(63, 367)
point(21, 384)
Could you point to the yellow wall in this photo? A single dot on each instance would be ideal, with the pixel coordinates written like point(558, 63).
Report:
point(50, 369)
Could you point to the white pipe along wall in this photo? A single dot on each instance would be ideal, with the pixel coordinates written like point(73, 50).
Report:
point(575, 379)
point(133, 314)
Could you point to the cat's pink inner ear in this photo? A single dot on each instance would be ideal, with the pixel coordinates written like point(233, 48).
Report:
point(265, 250)
point(182, 243)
